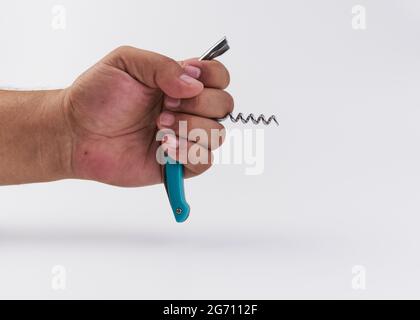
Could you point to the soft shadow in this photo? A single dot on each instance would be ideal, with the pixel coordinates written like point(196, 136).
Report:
point(212, 239)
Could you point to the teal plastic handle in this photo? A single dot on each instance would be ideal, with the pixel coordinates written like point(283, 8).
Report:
point(174, 184)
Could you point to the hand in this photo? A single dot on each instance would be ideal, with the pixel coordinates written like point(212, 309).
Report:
point(114, 111)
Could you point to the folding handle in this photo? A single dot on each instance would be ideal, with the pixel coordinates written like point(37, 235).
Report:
point(174, 171)
point(174, 184)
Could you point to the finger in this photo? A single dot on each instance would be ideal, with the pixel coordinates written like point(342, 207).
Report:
point(155, 71)
point(195, 158)
point(204, 131)
point(211, 103)
point(213, 73)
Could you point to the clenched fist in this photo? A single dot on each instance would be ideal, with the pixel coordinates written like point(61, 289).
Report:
point(104, 126)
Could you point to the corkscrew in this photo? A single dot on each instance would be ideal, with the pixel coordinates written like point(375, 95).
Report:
point(252, 118)
point(173, 171)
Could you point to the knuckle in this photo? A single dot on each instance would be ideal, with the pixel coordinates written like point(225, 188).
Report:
point(222, 136)
point(123, 49)
point(217, 137)
point(164, 69)
point(227, 78)
point(200, 160)
point(229, 102)
point(197, 101)
point(221, 72)
point(166, 62)
point(225, 75)
point(118, 56)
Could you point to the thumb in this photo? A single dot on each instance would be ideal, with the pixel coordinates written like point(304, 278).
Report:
point(155, 71)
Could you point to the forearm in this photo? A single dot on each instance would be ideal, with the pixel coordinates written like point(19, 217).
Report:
point(35, 144)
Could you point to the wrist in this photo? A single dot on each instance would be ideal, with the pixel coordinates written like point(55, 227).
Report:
point(35, 140)
point(55, 136)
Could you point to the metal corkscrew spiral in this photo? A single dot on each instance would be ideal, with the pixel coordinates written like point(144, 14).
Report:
point(251, 118)
point(218, 49)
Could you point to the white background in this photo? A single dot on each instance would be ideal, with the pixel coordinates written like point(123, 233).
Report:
point(341, 185)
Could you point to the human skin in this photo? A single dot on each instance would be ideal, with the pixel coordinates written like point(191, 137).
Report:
point(104, 126)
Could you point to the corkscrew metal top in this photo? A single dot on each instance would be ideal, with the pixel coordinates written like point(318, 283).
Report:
point(217, 50)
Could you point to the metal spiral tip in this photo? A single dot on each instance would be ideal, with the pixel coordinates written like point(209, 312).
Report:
point(251, 117)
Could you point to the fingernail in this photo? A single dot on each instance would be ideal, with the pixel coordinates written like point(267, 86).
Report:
point(189, 80)
point(170, 141)
point(192, 71)
point(172, 102)
point(167, 119)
